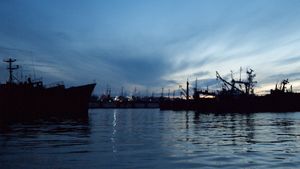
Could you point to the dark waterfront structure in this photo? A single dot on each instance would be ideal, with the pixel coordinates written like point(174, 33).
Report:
point(31, 99)
point(125, 105)
point(238, 96)
point(121, 102)
point(107, 101)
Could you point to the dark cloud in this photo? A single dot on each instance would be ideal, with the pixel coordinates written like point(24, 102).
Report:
point(171, 82)
point(201, 73)
point(209, 82)
point(279, 77)
point(285, 61)
point(143, 70)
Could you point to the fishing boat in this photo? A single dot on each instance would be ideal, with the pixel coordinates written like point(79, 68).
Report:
point(237, 96)
point(32, 99)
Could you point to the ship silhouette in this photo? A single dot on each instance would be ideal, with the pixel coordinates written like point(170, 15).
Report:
point(20, 100)
point(237, 96)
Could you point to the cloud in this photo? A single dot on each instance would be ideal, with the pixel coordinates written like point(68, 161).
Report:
point(120, 43)
point(209, 82)
point(287, 61)
point(279, 77)
point(201, 73)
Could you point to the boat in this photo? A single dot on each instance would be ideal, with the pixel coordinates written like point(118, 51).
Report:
point(20, 100)
point(237, 96)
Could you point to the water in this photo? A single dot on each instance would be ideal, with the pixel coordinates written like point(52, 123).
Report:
point(140, 138)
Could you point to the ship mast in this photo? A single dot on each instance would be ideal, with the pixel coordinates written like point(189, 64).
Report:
point(248, 84)
point(11, 68)
point(232, 85)
point(186, 91)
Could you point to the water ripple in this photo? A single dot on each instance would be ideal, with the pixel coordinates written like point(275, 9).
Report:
point(154, 139)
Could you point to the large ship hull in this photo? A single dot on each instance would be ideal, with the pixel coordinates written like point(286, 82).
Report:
point(26, 102)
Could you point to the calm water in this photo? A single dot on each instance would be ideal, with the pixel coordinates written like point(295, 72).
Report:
point(155, 139)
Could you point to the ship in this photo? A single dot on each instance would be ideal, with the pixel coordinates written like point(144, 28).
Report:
point(237, 96)
point(30, 99)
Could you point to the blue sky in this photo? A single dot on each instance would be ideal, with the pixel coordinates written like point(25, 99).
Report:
point(152, 44)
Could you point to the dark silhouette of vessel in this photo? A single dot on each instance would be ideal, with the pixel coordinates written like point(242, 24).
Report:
point(20, 100)
point(237, 96)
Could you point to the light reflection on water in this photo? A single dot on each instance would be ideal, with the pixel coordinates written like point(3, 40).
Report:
point(114, 123)
point(145, 138)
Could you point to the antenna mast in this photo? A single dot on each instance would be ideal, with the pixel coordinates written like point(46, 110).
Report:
point(11, 68)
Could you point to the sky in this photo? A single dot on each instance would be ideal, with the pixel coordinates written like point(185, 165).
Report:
point(149, 45)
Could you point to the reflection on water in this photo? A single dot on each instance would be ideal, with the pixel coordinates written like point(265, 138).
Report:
point(38, 144)
point(114, 123)
point(137, 138)
point(239, 140)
